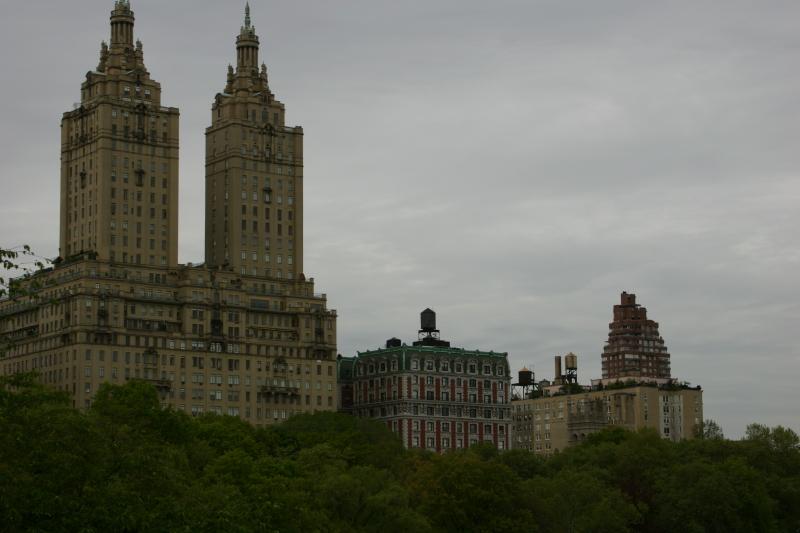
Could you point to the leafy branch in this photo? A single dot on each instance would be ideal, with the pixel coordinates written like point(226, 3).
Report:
point(18, 260)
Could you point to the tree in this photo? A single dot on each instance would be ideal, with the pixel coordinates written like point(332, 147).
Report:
point(699, 496)
point(709, 430)
point(23, 262)
point(18, 260)
point(575, 501)
point(779, 438)
point(126, 464)
point(461, 492)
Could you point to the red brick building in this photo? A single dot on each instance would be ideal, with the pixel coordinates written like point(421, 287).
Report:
point(635, 349)
point(432, 395)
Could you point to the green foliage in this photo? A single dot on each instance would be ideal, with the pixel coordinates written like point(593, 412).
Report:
point(19, 261)
point(709, 430)
point(577, 501)
point(468, 491)
point(22, 263)
point(129, 465)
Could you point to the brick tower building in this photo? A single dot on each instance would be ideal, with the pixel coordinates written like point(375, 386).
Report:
point(634, 349)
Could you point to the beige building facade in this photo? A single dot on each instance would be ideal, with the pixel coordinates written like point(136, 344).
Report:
point(218, 337)
point(119, 160)
point(551, 423)
point(254, 174)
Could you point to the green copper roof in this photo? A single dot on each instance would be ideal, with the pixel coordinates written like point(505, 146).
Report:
point(410, 350)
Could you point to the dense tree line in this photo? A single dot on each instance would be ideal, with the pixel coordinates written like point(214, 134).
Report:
point(128, 465)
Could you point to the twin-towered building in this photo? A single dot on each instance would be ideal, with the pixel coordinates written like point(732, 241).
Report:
point(244, 333)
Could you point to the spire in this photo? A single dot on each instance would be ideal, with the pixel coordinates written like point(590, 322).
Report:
point(101, 67)
point(247, 46)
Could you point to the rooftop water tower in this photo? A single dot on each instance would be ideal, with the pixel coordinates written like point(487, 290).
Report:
point(428, 334)
point(525, 384)
point(571, 367)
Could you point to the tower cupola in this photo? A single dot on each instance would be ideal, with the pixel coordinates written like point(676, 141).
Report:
point(122, 25)
point(247, 46)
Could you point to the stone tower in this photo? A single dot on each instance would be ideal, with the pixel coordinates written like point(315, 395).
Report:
point(254, 174)
point(206, 337)
point(119, 160)
point(634, 349)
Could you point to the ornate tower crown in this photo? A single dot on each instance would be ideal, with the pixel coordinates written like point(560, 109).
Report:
point(247, 45)
point(122, 25)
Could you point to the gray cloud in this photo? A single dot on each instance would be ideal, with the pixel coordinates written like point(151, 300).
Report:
point(514, 165)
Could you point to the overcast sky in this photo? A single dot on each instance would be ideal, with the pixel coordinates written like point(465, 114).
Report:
point(514, 165)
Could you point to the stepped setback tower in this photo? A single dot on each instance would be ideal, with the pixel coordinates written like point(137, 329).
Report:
point(119, 159)
point(241, 335)
point(634, 349)
point(254, 173)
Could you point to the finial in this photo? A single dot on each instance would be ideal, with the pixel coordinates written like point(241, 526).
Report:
point(101, 67)
point(138, 45)
point(247, 15)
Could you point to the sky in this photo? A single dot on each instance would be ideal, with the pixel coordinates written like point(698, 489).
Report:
point(514, 165)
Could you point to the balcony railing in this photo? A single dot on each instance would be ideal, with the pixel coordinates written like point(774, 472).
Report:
point(280, 389)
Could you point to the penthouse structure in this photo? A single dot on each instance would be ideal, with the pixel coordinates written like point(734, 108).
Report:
point(635, 349)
